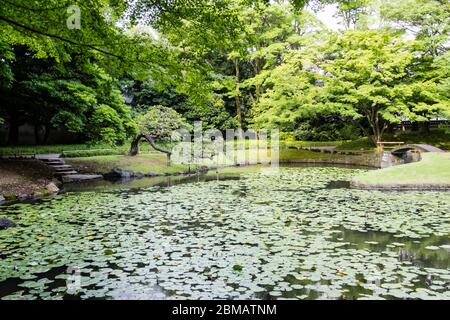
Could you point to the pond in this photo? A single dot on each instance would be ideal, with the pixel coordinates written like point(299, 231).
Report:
point(299, 233)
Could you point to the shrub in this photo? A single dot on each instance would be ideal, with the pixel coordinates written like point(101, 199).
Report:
point(326, 132)
point(93, 153)
point(107, 126)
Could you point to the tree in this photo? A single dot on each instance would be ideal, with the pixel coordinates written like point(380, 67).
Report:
point(368, 80)
point(77, 95)
point(427, 20)
point(142, 94)
point(158, 125)
point(353, 12)
point(288, 84)
point(43, 28)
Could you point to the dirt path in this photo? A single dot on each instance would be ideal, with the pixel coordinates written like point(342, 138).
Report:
point(20, 177)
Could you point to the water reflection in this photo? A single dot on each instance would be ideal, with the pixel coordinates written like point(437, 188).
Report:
point(299, 234)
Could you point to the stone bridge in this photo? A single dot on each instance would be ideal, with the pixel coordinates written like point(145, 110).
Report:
point(405, 154)
point(415, 148)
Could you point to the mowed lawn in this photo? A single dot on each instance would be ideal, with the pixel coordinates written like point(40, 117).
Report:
point(157, 162)
point(144, 163)
point(433, 169)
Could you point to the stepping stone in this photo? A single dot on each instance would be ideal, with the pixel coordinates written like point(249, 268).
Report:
point(80, 177)
point(65, 170)
point(61, 166)
point(64, 173)
point(69, 168)
point(54, 163)
point(52, 160)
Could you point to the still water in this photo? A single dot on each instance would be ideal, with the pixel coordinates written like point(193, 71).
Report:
point(297, 233)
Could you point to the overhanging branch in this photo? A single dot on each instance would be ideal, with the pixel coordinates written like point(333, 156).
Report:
point(54, 36)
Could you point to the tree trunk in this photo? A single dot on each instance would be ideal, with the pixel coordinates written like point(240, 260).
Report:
point(425, 127)
point(134, 150)
point(13, 134)
point(376, 138)
point(37, 138)
point(47, 129)
point(156, 147)
point(378, 127)
point(237, 98)
point(238, 111)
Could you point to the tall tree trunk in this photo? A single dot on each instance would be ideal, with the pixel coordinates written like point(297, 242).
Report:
point(257, 70)
point(237, 99)
point(47, 129)
point(378, 127)
point(37, 138)
point(238, 111)
point(13, 134)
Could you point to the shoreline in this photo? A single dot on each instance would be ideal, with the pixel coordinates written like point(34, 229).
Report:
point(400, 187)
point(51, 189)
point(431, 173)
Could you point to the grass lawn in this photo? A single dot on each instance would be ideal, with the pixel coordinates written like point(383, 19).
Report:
point(144, 163)
point(59, 148)
point(433, 169)
point(294, 154)
point(157, 162)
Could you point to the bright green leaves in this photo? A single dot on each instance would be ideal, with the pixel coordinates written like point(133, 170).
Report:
point(160, 122)
point(428, 20)
point(107, 123)
point(369, 76)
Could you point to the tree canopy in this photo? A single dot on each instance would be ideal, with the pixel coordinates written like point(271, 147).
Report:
point(94, 67)
point(158, 124)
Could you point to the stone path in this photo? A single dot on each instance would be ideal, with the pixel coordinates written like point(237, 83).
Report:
point(65, 171)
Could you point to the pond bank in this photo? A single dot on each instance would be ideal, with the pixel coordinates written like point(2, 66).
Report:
point(26, 179)
point(368, 160)
point(32, 179)
point(155, 164)
point(431, 173)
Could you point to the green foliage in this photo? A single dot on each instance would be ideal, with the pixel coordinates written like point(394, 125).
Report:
point(107, 124)
point(226, 63)
point(358, 144)
point(94, 153)
point(372, 78)
point(160, 123)
point(78, 96)
point(428, 20)
point(65, 149)
point(368, 78)
point(436, 137)
point(148, 93)
point(326, 132)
